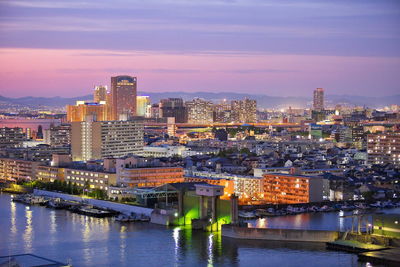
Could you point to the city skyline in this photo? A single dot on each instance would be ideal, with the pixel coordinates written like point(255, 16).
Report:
point(287, 48)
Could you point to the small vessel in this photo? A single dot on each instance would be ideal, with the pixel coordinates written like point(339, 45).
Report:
point(56, 204)
point(144, 218)
point(247, 215)
point(90, 211)
point(123, 218)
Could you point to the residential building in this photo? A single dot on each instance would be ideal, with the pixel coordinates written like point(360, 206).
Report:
point(103, 139)
point(199, 111)
point(12, 137)
point(58, 135)
point(14, 170)
point(91, 179)
point(171, 107)
point(384, 148)
point(291, 189)
point(244, 111)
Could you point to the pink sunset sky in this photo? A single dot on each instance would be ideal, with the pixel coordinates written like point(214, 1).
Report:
point(57, 48)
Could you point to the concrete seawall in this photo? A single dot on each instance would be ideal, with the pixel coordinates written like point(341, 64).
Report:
point(123, 208)
point(279, 234)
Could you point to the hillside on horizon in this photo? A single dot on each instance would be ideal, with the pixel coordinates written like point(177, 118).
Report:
point(263, 101)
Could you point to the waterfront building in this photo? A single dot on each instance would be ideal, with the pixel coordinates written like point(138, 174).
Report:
point(318, 100)
point(46, 173)
point(229, 187)
point(90, 179)
point(131, 176)
point(172, 107)
point(199, 111)
point(123, 96)
point(247, 188)
point(100, 94)
point(384, 148)
point(142, 103)
point(11, 137)
point(58, 135)
point(82, 109)
point(281, 188)
point(13, 170)
point(103, 139)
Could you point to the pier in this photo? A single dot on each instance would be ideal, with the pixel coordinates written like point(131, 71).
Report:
point(279, 234)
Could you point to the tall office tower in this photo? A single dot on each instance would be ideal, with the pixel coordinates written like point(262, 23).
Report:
point(82, 109)
point(59, 135)
point(384, 148)
point(244, 111)
point(92, 140)
point(318, 103)
point(199, 111)
point(100, 93)
point(11, 137)
point(123, 96)
point(142, 102)
point(173, 107)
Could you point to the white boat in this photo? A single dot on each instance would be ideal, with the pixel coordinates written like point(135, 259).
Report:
point(247, 215)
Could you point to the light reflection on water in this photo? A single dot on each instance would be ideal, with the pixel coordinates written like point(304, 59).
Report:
point(87, 241)
point(28, 233)
point(333, 221)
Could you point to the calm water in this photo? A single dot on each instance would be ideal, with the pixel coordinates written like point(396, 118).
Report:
point(86, 241)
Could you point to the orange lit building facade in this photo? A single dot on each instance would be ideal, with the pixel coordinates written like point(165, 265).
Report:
point(82, 109)
point(149, 177)
point(291, 189)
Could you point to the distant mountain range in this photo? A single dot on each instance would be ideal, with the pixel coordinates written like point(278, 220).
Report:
point(263, 101)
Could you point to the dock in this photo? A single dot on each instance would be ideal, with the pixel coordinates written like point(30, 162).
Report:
point(388, 257)
point(353, 246)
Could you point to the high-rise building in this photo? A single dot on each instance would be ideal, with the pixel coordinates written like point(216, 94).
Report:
point(105, 139)
point(173, 107)
point(222, 112)
point(142, 103)
point(123, 96)
point(82, 109)
point(244, 111)
point(199, 111)
point(100, 93)
point(318, 103)
point(384, 148)
point(154, 111)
